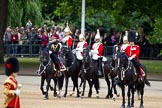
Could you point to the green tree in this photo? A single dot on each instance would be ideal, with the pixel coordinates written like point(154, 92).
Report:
point(3, 14)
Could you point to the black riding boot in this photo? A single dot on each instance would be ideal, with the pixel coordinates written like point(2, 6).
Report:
point(100, 72)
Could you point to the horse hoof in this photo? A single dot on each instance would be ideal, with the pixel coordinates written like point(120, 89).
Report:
point(107, 97)
point(122, 106)
point(55, 94)
point(51, 88)
point(111, 95)
point(113, 99)
point(45, 98)
point(118, 95)
point(82, 94)
point(97, 97)
point(128, 106)
point(89, 96)
point(64, 95)
point(44, 93)
point(141, 106)
point(59, 97)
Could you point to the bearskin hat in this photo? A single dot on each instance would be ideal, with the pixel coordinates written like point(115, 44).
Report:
point(11, 65)
point(132, 36)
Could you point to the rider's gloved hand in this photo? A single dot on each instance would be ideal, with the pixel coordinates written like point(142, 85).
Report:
point(50, 52)
point(130, 58)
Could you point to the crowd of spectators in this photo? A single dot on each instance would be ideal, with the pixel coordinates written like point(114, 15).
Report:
point(20, 38)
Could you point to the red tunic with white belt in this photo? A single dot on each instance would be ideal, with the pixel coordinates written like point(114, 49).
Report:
point(133, 50)
point(98, 47)
point(79, 50)
point(68, 40)
point(9, 87)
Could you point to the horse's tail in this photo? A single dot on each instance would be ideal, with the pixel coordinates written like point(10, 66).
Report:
point(147, 82)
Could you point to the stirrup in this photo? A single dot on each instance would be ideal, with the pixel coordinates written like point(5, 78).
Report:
point(63, 69)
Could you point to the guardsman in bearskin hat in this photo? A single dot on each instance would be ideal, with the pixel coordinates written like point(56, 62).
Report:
point(11, 88)
point(67, 39)
point(125, 42)
point(133, 52)
point(54, 48)
point(96, 52)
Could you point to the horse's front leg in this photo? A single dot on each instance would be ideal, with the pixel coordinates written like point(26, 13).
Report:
point(84, 85)
point(114, 87)
point(123, 96)
point(132, 101)
point(55, 86)
point(141, 93)
point(97, 86)
point(81, 83)
point(90, 87)
point(71, 94)
point(108, 86)
point(42, 84)
point(48, 80)
point(128, 94)
point(76, 85)
point(66, 84)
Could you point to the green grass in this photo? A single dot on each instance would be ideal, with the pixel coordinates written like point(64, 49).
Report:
point(28, 62)
point(153, 65)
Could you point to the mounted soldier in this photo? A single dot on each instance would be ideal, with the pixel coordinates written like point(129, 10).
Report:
point(54, 48)
point(67, 39)
point(125, 42)
point(133, 52)
point(79, 48)
point(96, 51)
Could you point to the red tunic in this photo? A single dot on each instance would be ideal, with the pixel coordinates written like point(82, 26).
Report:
point(82, 45)
point(68, 40)
point(98, 47)
point(9, 87)
point(131, 50)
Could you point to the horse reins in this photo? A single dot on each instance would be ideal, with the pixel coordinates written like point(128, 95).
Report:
point(44, 66)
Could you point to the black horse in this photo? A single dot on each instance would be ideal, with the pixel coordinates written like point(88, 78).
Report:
point(72, 66)
point(89, 73)
point(47, 72)
point(127, 75)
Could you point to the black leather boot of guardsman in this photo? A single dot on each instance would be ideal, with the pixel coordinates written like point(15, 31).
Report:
point(100, 72)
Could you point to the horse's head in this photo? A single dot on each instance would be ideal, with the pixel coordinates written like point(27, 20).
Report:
point(86, 54)
point(121, 61)
point(44, 56)
point(65, 50)
point(115, 49)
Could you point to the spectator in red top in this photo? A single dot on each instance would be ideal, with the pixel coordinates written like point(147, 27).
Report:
point(44, 40)
point(133, 51)
point(56, 35)
point(14, 40)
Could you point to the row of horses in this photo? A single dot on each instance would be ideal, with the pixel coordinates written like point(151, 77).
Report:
point(117, 70)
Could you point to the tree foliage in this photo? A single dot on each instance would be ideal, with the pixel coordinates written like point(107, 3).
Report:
point(119, 14)
point(20, 11)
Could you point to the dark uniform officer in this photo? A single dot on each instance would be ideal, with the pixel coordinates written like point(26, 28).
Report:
point(54, 47)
